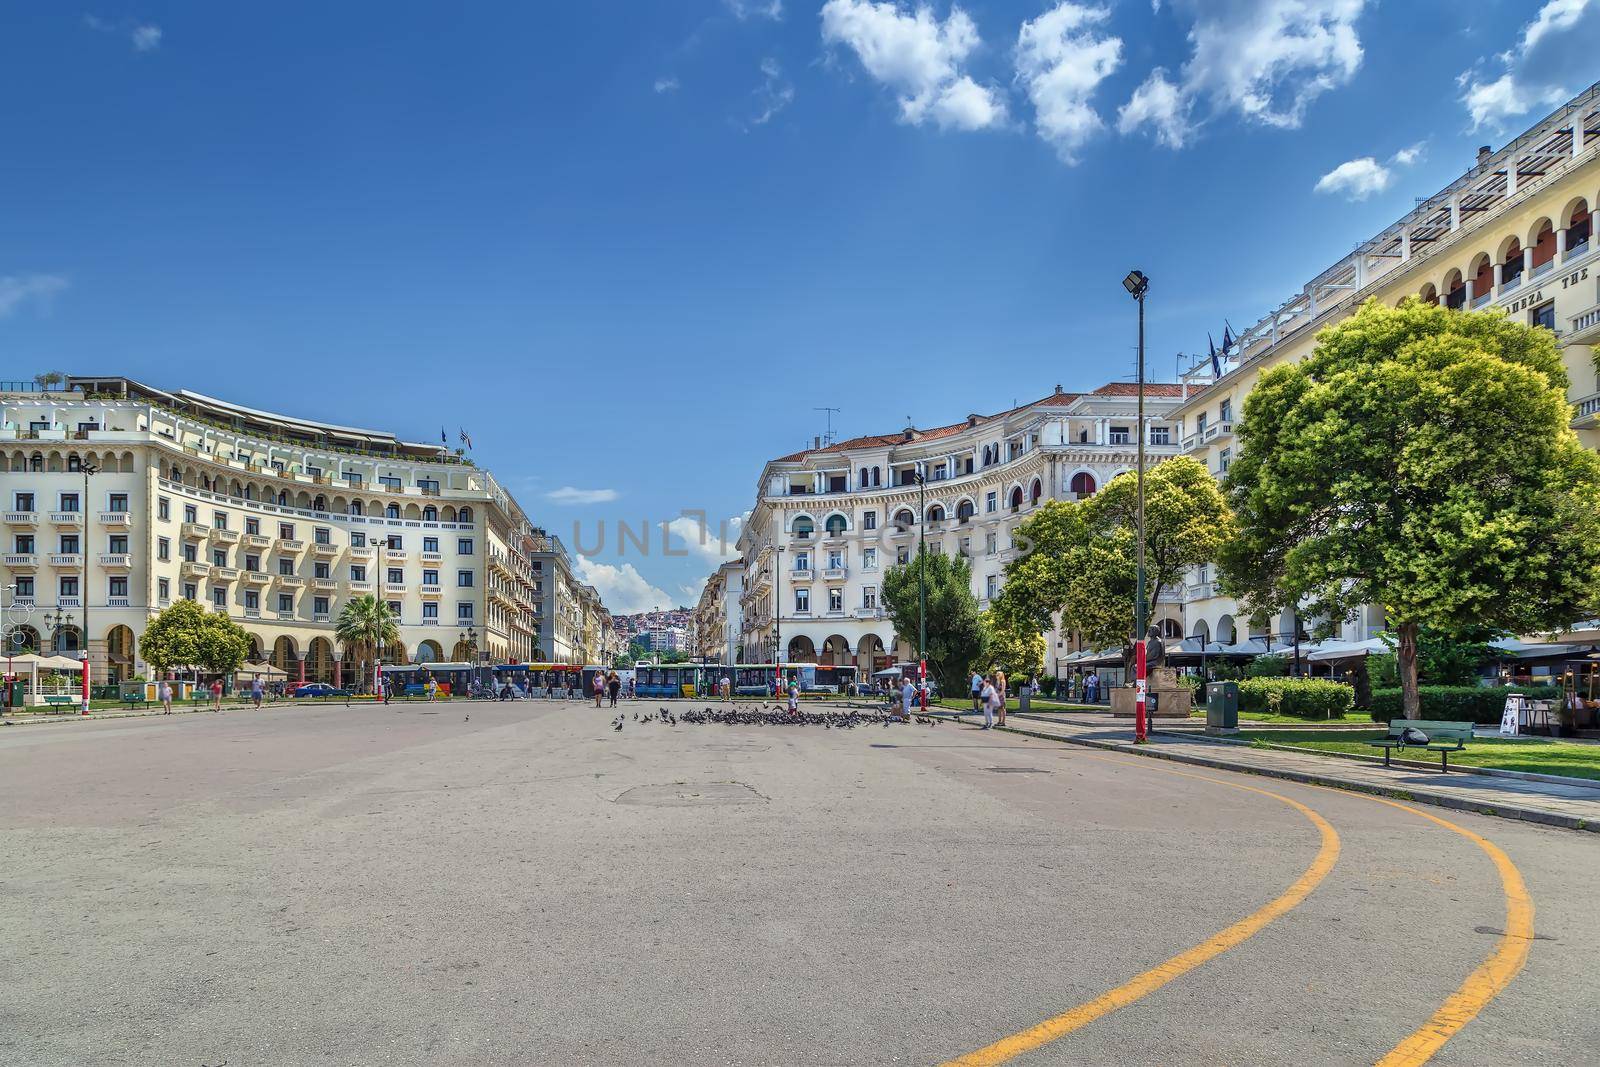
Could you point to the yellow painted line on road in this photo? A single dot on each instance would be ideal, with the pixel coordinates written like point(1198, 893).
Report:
point(1144, 984)
point(1492, 975)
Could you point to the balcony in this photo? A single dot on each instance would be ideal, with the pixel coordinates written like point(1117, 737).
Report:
point(193, 531)
point(252, 613)
point(117, 561)
point(67, 518)
point(224, 537)
point(395, 555)
point(291, 581)
point(255, 577)
point(434, 591)
point(324, 549)
point(22, 560)
point(255, 540)
point(224, 574)
point(288, 546)
point(69, 601)
point(432, 557)
point(325, 585)
point(21, 518)
point(868, 613)
point(66, 560)
point(1585, 327)
point(195, 568)
point(286, 616)
point(360, 586)
point(836, 574)
point(802, 574)
point(394, 587)
point(116, 602)
point(321, 616)
point(119, 520)
point(220, 609)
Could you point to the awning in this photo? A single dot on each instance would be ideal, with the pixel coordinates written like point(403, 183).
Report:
point(1330, 651)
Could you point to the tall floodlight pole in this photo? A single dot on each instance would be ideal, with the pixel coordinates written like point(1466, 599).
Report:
point(88, 469)
point(777, 622)
point(1137, 284)
point(922, 583)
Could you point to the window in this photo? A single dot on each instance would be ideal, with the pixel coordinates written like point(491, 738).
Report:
point(991, 586)
point(836, 600)
point(163, 590)
point(430, 577)
point(319, 605)
point(464, 611)
point(430, 544)
point(191, 513)
point(252, 600)
point(802, 561)
point(989, 543)
point(1224, 458)
point(189, 554)
point(117, 585)
point(392, 511)
point(869, 559)
point(1120, 435)
point(835, 558)
point(935, 548)
point(24, 585)
point(252, 525)
point(319, 569)
point(315, 472)
point(464, 547)
point(389, 481)
point(117, 502)
point(902, 556)
point(117, 544)
point(286, 531)
point(219, 520)
point(464, 579)
point(69, 544)
point(285, 601)
point(323, 535)
point(190, 591)
point(353, 479)
point(396, 542)
point(1543, 315)
point(163, 508)
point(430, 610)
point(1160, 435)
point(219, 597)
point(396, 576)
point(428, 485)
point(464, 515)
point(869, 520)
point(802, 600)
point(24, 544)
point(286, 566)
point(358, 539)
point(991, 500)
point(219, 557)
point(1225, 411)
point(869, 597)
point(358, 573)
point(24, 502)
point(252, 563)
point(1200, 423)
point(69, 502)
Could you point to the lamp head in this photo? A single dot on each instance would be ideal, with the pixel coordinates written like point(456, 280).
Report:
point(1136, 283)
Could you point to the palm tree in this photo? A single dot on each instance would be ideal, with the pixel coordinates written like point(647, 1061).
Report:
point(365, 626)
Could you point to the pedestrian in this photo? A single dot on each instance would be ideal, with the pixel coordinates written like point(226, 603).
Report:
point(256, 691)
point(633, 686)
point(977, 689)
point(164, 694)
point(794, 701)
point(1091, 687)
point(384, 685)
point(991, 698)
point(613, 686)
point(908, 698)
point(1001, 687)
point(430, 687)
point(599, 686)
point(725, 687)
point(216, 694)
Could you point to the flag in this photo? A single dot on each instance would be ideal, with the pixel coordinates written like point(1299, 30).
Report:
point(1228, 340)
point(444, 438)
point(465, 438)
point(1216, 364)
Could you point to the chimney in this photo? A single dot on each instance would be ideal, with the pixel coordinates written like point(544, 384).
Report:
point(1484, 152)
point(816, 442)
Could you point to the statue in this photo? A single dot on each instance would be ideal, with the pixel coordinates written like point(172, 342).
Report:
point(1155, 653)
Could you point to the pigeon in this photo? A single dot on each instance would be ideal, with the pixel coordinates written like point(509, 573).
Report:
point(466, 718)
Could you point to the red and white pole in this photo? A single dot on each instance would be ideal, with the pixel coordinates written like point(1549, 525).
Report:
point(85, 680)
point(922, 676)
point(1140, 723)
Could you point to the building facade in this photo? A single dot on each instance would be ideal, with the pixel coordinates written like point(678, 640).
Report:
point(1515, 232)
point(717, 634)
point(121, 498)
point(827, 522)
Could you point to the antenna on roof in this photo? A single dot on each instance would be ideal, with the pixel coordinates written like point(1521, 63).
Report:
point(828, 438)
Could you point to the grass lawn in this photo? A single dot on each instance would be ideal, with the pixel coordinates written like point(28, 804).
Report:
point(1290, 720)
point(1036, 704)
point(1534, 754)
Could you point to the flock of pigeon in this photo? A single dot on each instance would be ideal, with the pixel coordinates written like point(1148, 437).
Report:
point(771, 715)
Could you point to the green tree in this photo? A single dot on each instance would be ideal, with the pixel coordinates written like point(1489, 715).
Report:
point(1420, 459)
point(187, 635)
point(956, 638)
point(365, 625)
point(1015, 645)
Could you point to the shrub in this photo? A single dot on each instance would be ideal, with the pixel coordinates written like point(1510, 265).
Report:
point(1456, 703)
point(1268, 666)
point(1047, 684)
point(1308, 698)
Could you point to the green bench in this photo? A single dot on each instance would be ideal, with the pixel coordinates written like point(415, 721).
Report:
point(61, 701)
point(132, 700)
point(1443, 738)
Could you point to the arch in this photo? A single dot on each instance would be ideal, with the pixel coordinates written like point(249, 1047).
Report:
point(1083, 484)
point(1542, 239)
point(1171, 629)
point(64, 640)
point(391, 511)
point(1202, 630)
point(464, 515)
point(1481, 271)
point(120, 647)
point(1508, 247)
point(1429, 294)
point(36, 462)
point(24, 639)
point(449, 514)
point(869, 651)
point(412, 512)
point(1035, 492)
point(836, 523)
point(461, 653)
point(1576, 211)
point(319, 503)
point(1455, 289)
point(801, 650)
point(836, 651)
point(965, 509)
point(319, 660)
point(935, 512)
point(395, 653)
point(284, 654)
point(374, 508)
point(430, 514)
point(1227, 632)
point(74, 463)
point(356, 507)
point(429, 652)
point(254, 655)
point(1510, 261)
point(802, 525)
point(905, 518)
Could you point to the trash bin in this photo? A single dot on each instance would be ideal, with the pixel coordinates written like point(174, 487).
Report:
point(1222, 707)
point(1024, 698)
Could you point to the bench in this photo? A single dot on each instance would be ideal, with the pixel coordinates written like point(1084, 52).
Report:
point(131, 699)
point(61, 701)
point(1443, 738)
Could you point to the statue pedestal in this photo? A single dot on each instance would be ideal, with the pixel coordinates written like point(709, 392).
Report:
point(1165, 698)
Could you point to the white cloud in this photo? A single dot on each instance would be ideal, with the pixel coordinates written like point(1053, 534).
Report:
point(1356, 179)
point(666, 85)
point(17, 290)
point(711, 542)
point(1061, 61)
point(144, 37)
point(1161, 105)
point(571, 495)
point(749, 9)
point(1267, 60)
point(1553, 58)
point(774, 93)
point(919, 58)
point(623, 589)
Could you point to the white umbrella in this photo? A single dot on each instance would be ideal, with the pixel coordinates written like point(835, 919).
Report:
point(1337, 650)
point(60, 663)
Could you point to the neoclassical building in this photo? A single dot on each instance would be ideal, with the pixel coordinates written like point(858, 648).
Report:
point(828, 521)
point(120, 498)
point(1514, 232)
point(717, 635)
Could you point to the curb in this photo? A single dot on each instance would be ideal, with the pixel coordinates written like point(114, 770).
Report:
point(1502, 811)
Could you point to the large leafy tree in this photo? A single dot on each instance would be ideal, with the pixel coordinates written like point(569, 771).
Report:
point(1015, 644)
point(1079, 560)
point(956, 637)
point(365, 625)
point(187, 635)
point(1421, 459)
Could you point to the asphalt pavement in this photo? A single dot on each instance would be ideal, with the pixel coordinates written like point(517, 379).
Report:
point(521, 884)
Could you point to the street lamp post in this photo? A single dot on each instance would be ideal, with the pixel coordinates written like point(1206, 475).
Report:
point(88, 469)
point(1137, 284)
point(777, 621)
point(922, 583)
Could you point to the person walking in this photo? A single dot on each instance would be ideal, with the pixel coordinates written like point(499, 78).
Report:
point(726, 688)
point(908, 698)
point(256, 692)
point(1001, 688)
point(164, 694)
point(384, 685)
point(987, 697)
point(430, 687)
point(977, 690)
point(794, 701)
point(1091, 687)
point(613, 686)
point(599, 686)
point(216, 695)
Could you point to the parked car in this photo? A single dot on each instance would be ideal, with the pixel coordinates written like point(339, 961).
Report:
point(319, 689)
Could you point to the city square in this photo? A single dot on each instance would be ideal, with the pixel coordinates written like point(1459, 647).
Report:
point(485, 882)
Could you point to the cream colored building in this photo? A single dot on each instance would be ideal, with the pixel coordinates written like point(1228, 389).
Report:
point(1514, 232)
point(717, 635)
point(827, 522)
point(276, 521)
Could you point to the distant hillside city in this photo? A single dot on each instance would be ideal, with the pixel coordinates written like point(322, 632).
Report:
point(665, 630)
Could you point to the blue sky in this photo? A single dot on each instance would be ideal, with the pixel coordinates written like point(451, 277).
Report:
point(631, 247)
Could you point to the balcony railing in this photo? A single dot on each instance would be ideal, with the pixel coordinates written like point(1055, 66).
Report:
point(252, 613)
point(257, 540)
point(290, 546)
point(432, 590)
point(285, 616)
point(835, 573)
point(325, 585)
point(324, 548)
point(195, 531)
point(116, 601)
point(321, 616)
point(20, 559)
point(67, 518)
point(115, 518)
point(69, 602)
point(256, 577)
point(21, 518)
point(117, 560)
point(360, 586)
point(432, 557)
point(223, 536)
point(66, 560)
point(196, 568)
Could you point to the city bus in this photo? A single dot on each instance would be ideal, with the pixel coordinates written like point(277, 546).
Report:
point(452, 677)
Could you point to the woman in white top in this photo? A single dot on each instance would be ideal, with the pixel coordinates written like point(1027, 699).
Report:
point(991, 699)
point(164, 694)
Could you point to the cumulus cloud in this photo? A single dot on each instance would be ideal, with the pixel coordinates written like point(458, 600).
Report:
point(1551, 59)
point(919, 58)
point(143, 36)
point(1061, 61)
point(1358, 179)
point(568, 494)
point(666, 85)
point(623, 589)
point(773, 94)
point(20, 290)
point(1265, 60)
point(744, 10)
point(714, 543)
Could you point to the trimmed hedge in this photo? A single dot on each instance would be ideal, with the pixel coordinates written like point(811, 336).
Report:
point(1308, 698)
point(1456, 703)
